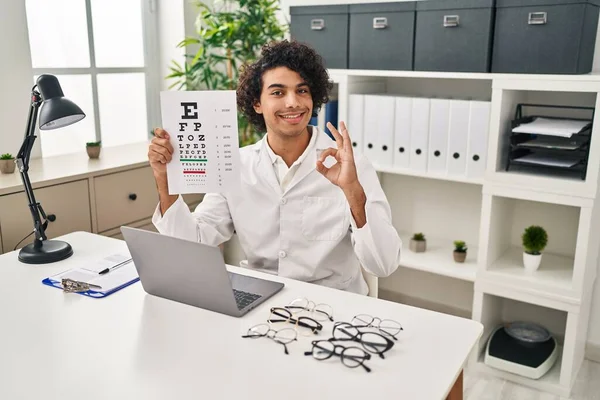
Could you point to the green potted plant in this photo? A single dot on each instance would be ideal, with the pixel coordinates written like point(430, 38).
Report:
point(535, 239)
point(7, 163)
point(418, 244)
point(93, 149)
point(228, 35)
point(460, 251)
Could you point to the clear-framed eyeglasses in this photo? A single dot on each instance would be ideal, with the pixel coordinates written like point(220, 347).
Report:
point(386, 327)
point(370, 341)
point(320, 312)
point(281, 336)
point(351, 356)
point(309, 325)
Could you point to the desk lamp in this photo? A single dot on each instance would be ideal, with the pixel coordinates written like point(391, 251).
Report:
point(56, 112)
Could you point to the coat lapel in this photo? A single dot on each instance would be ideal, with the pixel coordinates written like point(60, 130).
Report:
point(265, 166)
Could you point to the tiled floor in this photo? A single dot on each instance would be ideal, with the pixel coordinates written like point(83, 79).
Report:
point(478, 386)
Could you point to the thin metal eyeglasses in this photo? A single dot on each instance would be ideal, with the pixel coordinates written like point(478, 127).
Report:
point(282, 336)
point(370, 341)
point(387, 327)
point(320, 312)
point(285, 315)
point(351, 356)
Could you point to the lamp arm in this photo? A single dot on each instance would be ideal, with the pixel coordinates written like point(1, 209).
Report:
point(23, 165)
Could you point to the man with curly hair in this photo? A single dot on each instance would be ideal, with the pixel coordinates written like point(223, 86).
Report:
point(306, 209)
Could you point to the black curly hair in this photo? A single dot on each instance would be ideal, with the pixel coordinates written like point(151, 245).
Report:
point(294, 55)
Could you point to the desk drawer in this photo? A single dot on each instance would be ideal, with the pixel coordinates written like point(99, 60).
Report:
point(69, 203)
point(124, 197)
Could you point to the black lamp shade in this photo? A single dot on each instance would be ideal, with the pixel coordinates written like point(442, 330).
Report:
point(56, 111)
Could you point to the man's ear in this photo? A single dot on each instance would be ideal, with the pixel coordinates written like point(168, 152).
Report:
point(257, 108)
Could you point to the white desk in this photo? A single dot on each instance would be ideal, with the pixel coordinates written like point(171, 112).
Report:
point(132, 345)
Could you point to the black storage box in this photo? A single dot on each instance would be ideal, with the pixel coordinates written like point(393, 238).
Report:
point(325, 28)
point(382, 36)
point(454, 35)
point(545, 36)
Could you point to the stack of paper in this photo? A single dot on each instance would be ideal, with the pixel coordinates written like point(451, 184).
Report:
point(553, 127)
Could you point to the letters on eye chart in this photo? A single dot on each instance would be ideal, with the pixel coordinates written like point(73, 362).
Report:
point(204, 134)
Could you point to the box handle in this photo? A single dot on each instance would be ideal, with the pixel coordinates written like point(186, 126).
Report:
point(380, 23)
point(450, 21)
point(317, 24)
point(538, 18)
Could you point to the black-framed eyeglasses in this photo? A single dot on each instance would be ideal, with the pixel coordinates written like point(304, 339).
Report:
point(370, 341)
point(279, 314)
point(351, 356)
point(282, 336)
point(320, 312)
point(387, 327)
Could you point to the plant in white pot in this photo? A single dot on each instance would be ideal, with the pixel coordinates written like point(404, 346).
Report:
point(7, 163)
point(460, 251)
point(534, 240)
point(418, 244)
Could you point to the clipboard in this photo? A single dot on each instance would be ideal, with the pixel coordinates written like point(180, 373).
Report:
point(126, 276)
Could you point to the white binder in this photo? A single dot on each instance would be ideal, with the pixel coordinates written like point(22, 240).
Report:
point(403, 116)
point(419, 134)
point(356, 124)
point(379, 129)
point(438, 136)
point(370, 123)
point(479, 125)
point(457, 137)
point(385, 131)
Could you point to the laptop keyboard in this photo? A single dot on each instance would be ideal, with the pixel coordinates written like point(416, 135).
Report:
point(243, 299)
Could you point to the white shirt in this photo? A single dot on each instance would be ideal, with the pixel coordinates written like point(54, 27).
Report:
point(301, 230)
point(283, 173)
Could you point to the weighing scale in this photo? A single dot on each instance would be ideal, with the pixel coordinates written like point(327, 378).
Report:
point(522, 348)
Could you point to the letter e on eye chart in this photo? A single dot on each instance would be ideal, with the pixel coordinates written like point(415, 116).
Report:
point(203, 131)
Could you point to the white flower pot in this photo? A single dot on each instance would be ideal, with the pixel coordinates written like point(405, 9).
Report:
point(531, 262)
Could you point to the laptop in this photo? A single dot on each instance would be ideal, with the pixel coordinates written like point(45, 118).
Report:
point(193, 273)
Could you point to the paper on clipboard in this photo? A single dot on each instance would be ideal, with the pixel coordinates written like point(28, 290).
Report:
point(109, 281)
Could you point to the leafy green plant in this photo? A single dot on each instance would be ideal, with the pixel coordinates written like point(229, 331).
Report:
point(6, 156)
point(418, 237)
point(93, 144)
point(460, 246)
point(535, 239)
point(229, 35)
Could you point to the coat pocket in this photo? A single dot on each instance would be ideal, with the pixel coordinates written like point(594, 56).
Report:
point(324, 218)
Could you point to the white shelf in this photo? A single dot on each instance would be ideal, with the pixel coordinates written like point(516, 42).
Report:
point(593, 77)
point(437, 259)
point(553, 279)
point(550, 382)
point(429, 175)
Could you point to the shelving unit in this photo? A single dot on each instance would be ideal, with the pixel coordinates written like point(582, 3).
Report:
point(490, 214)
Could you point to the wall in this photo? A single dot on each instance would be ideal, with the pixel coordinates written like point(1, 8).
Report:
point(16, 77)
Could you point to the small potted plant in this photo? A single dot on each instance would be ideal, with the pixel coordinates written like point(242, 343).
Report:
point(460, 251)
point(93, 149)
point(7, 163)
point(534, 240)
point(418, 244)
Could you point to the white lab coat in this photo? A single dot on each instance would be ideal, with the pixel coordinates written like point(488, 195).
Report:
point(306, 232)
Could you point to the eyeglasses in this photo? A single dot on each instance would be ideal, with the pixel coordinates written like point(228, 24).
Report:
point(387, 327)
point(351, 357)
point(282, 336)
point(285, 315)
point(320, 312)
point(370, 341)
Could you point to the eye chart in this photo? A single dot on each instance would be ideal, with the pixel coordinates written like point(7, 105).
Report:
point(203, 131)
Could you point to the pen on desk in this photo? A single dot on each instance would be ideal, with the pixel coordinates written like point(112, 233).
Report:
point(106, 270)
